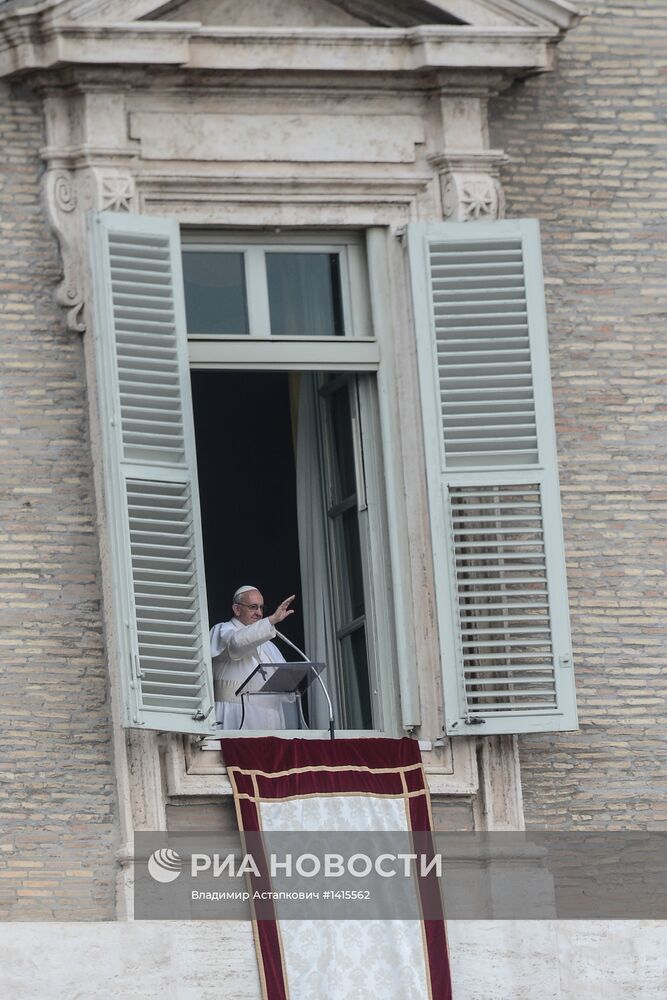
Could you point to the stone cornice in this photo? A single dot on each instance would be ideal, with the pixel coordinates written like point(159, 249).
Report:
point(34, 41)
point(113, 92)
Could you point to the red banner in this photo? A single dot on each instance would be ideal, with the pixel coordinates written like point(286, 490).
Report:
point(289, 785)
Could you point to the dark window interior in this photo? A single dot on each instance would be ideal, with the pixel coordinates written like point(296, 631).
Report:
point(247, 485)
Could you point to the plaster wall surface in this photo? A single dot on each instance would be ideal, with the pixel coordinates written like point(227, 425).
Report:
point(501, 960)
point(588, 149)
point(56, 781)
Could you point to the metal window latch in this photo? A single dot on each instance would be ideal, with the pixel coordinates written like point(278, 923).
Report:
point(565, 662)
point(474, 722)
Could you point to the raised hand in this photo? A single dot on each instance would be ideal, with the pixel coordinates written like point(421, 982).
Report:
point(282, 611)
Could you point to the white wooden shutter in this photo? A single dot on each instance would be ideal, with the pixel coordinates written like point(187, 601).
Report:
point(154, 554)
point(492, 477)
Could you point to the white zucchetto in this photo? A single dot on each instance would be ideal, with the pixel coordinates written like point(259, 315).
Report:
point(242, 590)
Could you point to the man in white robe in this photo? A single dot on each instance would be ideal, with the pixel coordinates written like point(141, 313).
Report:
point(237, 647)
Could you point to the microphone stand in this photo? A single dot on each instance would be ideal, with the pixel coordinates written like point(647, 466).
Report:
point(317, 678)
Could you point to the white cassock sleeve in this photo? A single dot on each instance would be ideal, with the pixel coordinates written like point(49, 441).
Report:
point(238, 643)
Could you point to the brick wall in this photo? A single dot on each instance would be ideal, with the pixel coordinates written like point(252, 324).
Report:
point(589, 148)
point(589, 159)
point(56, 779)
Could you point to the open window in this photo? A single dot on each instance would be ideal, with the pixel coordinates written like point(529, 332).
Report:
point(283, 488)
point(289, 456)
point(290, 459)
point(296, 362)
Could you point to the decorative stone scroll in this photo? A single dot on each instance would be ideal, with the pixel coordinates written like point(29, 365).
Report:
point(470, 185)
point(70, 195)
point(61, 191)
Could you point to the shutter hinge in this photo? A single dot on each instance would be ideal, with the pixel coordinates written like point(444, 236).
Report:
point(199, 715)
point(401, 234)
point(137, 666)
point(474, 722)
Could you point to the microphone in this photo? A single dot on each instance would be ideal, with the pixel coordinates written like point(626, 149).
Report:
point(317, 678)
point(290, 643)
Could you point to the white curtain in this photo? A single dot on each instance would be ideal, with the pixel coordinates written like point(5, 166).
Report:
point(312, 543)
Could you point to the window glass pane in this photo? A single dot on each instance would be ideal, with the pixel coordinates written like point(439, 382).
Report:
point(350, 576)
point(356, 695)
point(215, 293)
point(344, 478)
point(304, 294)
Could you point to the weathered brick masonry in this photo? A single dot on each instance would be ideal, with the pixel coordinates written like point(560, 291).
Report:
point(56, 779)
point(589, 149)
point(589, 159)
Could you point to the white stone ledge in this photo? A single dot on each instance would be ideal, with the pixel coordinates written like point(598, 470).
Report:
point(194, 772)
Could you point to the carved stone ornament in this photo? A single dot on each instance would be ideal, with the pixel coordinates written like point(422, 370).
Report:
point(70, 196)
point(116, 192)
point(62, 203)
point(467, 197)
point(470, 184)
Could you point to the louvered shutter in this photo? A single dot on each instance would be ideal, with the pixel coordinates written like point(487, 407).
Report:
point(492, 477)
point(154, 555)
